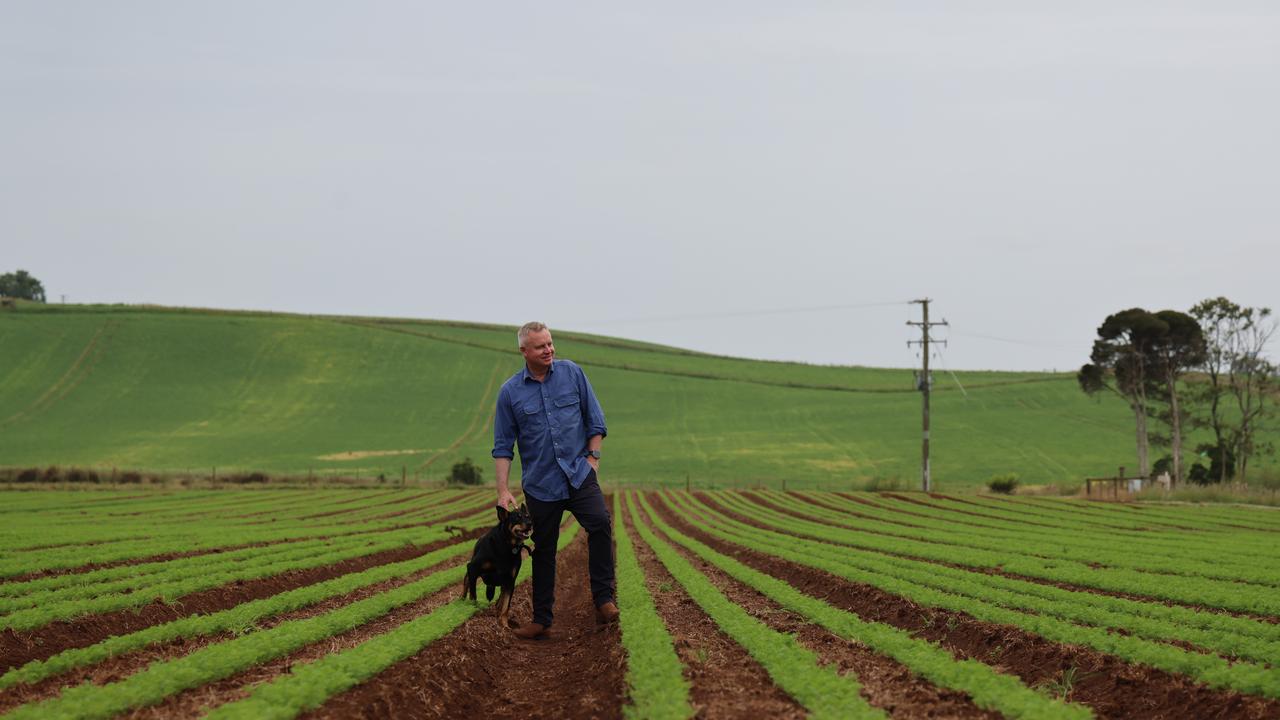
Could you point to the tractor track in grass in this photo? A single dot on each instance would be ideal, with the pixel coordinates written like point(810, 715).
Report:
point(886, 683)
point(122, 666)
point(726, 682)
point(480, 670)
point(1111, 687)
point(80, 368)
point(19, 648)
point(764, 502)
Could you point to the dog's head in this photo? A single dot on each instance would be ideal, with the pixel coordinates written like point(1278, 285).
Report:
point(518, 524)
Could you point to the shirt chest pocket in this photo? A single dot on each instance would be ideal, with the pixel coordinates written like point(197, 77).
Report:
point(568, 411)
point(531, 416)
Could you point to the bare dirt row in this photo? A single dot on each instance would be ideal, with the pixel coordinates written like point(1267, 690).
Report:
point(1110, 686)
point(482, 670)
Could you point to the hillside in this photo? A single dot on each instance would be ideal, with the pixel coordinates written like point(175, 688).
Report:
point(169, 389)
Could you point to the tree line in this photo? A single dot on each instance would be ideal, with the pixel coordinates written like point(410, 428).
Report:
point(1205, 369)
point(21, 284)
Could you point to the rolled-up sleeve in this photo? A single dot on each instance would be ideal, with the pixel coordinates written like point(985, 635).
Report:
point(504, 427)
point(592, 413)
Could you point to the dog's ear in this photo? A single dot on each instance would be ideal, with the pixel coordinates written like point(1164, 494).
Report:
point(502, 514)
point(523, 510)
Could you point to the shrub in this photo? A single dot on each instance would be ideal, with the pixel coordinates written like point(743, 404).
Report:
point(78, 475)
point(883, 484)
point(464, 473)
point(29, 475)
point(1004, 484)
point(129, 477)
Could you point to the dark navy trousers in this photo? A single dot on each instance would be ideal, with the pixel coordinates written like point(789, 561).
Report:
point(588, 507)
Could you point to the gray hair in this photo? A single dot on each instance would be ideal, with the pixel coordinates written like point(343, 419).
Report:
point(528, 329)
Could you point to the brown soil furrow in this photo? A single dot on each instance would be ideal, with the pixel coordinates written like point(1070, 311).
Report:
point(358, 508)
point(407, 511)
point(191, 703)
point(162, 557)
point(480, 670)
point(726, 682)
point(122, 666)
point(1112, 687)
point(994, 571)
point(965, 513)
point(827, 505)
point(886, 683)
point(358, 498)
point(19, 648)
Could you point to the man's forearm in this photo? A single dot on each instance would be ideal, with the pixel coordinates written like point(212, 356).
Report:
point(594, 442)
point(502, 471)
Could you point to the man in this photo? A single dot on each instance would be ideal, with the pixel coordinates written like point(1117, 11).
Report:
point(550, 410)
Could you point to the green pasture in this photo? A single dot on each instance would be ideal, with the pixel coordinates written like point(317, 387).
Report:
point(187, 391)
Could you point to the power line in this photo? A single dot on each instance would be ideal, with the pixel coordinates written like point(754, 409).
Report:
point(1030, 343)
point(752, 313)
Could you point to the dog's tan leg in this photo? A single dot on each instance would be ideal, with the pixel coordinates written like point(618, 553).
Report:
point(504, 607)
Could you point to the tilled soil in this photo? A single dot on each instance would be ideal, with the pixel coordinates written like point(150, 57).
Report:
point(19, 648)
point(764, 502)
point(1110, 686)
point(886, 683)
point(361, 508)
point(725, 681)
point(483, 671)
point(122, 666)
point(194, 702)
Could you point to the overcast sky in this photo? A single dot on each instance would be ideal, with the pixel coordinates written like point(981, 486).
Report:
point(661, 171)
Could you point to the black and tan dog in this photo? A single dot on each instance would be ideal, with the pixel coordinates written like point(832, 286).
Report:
point(497, 558)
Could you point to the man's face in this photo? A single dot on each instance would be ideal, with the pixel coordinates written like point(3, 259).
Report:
point(538, 351)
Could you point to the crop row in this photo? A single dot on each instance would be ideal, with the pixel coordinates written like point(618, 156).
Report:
point(1190, 590)
point(1213, 670)
point(1102, 546)
point(1126, 515)
point(215, 662)
point(1041, 543)
point(309, 685)
point(1230, 636)
point(200, 537)
point(988, 688)
point(240, 619)
point(658, 689)
point(34, 617)
point(116, 579)
point(823, 691)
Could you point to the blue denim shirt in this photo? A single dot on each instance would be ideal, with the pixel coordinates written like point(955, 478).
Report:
point(552, 421)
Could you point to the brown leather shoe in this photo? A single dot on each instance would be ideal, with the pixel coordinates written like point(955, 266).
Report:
point(531, 631)
point(607, 613)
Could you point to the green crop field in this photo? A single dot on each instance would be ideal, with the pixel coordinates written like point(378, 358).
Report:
point(336, 603)
point(170, 390)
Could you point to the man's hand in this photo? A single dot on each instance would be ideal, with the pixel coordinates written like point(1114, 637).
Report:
point(506, 499)
point(594, 463)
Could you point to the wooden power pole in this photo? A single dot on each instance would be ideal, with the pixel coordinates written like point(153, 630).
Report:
point(924, 383)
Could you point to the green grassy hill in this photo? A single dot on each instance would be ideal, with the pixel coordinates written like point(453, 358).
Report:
point(167, 389)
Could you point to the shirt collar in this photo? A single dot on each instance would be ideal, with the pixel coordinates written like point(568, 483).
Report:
point(525, 376)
